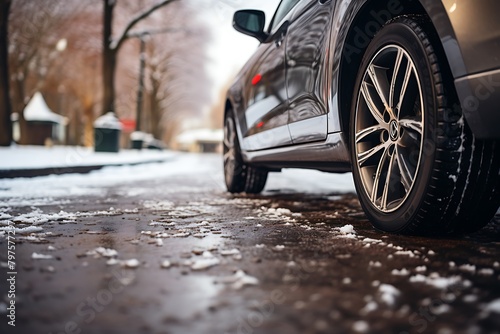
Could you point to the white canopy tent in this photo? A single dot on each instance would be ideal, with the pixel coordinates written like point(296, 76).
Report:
point(37, 110)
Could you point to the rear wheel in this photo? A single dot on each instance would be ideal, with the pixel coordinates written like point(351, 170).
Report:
point(417, 167)
point(239, 176)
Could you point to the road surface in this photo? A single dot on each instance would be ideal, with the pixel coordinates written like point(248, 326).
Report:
point(164, 249)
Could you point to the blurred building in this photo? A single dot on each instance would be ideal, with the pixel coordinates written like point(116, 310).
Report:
point(44, 127)
point(200, 140)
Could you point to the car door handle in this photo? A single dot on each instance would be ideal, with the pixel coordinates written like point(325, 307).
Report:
point(323, 2)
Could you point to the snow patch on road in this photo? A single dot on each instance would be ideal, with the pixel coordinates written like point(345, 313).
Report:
point(405, 253)
point(388, 294)
point(493, 306)
point(32, 222)
point(440, 282)
point(372, 241)
point(239, 280)
point(467, 268)
point(228, 252)
point(402, 272)
point(207, 261)
point(346, 231)
point(131, 263)
point(274, 214)
point(22, 230)
point(102, 252)
point(37, 256)
point(486, 272)
point(360, 326)
point(369, 307)
point(158, 206)
point(4, 215)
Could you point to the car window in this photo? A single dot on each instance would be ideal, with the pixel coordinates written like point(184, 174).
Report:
point(283, 9)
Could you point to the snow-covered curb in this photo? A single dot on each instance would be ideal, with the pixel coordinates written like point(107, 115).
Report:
point(57, 157)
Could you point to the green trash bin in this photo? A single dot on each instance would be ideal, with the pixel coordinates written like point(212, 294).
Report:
point(137, 140)
point(107, 130)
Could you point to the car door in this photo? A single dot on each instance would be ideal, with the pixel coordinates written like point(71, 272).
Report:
point(266, 116)
point(307, 45)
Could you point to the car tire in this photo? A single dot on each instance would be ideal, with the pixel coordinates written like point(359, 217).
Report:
point(417, 167)
point(256, 180)
point(239, 176)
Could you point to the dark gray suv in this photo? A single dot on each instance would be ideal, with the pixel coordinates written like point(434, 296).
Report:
point(403, 93)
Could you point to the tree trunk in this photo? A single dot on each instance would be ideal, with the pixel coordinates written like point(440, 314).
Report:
point(18, 104)
point(88, 134)
point(109, 59)
point(5, 107)
point(155, 116)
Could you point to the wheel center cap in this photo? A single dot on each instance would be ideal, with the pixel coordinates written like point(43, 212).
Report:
point(394, 130)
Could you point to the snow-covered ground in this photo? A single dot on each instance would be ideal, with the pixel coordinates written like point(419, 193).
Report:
point(203, 166)
point(310, 181)
point(96, 182)
point(38, 157)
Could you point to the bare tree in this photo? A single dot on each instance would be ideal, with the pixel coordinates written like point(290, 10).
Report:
point(112, 46)
point(77, 78)
point(5, 108)
point(177, 85)
point(34, 31)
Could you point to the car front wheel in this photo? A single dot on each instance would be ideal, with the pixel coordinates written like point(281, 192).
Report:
point(417, 167)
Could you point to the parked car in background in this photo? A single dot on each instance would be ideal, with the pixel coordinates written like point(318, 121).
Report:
point(405, 94)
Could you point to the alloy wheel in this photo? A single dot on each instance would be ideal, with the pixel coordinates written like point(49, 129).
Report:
point(389, 128)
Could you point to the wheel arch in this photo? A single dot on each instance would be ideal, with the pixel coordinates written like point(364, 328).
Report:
point(370, 13)
point(231, 107)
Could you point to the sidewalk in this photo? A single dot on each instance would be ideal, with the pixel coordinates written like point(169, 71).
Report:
point(31, 161)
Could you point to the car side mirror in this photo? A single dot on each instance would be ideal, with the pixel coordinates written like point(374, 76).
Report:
point(251, 22)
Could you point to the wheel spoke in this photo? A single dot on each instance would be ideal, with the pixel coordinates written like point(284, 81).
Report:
point(385, 192)
point(368, 131)
point(229, 155)
point(406, 175)
point(371, 105)
point(378, 174)
point(365, 156)
point(380, 83)
point(404, 85)
point(227, 142)
point(411, 124)
point(397, 66)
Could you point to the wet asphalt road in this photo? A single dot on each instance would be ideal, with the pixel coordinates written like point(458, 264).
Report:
point(210, 262)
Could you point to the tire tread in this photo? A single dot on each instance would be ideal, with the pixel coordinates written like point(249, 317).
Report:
point(474, 198)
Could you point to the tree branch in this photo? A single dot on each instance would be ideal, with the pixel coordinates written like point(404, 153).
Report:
point(116, 44)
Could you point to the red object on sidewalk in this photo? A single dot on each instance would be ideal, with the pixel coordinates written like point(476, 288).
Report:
point(128, 125)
